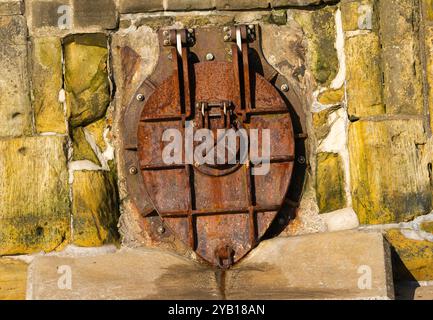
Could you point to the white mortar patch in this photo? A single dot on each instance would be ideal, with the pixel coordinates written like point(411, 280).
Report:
point(339, 46)
point(344, 219)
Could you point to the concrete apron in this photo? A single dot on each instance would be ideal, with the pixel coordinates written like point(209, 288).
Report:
point(340, 265)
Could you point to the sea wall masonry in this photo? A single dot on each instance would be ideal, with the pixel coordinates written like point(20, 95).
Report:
point(363, 70)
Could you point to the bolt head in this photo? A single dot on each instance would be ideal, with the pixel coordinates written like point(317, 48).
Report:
point(165, 33)
point(227, 37)
point(285, 87)
point(133, 170)
point(251, 27)
point(302, 160)
point(210, 57)
point(140, 97)
point(161, 230)
point(226, 29)
point(166, 42)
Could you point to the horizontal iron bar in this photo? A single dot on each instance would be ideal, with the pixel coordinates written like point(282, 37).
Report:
point(161, 166)
point(208, 212)
point(149, 167)
point(167, 117)
point(177, 117)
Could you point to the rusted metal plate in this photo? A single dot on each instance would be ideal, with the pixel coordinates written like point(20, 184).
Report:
point(220, 211)
point(216, 214)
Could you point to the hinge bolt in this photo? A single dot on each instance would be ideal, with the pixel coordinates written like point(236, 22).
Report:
point(302, 160)
point(210, 57)
point(161, 230)
point(133, 171)
point(140, 97)
point(285, 87)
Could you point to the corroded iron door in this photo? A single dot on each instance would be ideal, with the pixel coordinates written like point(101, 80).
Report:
point(220, 210)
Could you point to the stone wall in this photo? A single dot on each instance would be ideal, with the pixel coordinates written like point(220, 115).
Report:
point(364, 70)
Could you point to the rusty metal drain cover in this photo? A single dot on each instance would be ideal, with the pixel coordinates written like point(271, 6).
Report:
point(221, 210)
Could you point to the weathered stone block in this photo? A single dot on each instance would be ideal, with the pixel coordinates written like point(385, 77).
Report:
point(185, 5)
point(120, 276)
point(321, 123)
point(13, 30)
point(331, 97)
point(330, 182)
point(413, 259)
point(47, 81)
point(389, 172)
point(298, 3)
point(278, 17)
point(86, 78)
point(135, 6)
point(285, 48)
point(46, 13)
point(359, 15)
point(97, 130)
point(428, 9)
point(427, 226)
point(320, 266)
point(135, 54)
point(364, 76)
point(11, 7)
point(401, 64)
point(100, 13)
point(429, 67)
point(240, 4)
point(319, 26)
point(15, 109)
point(34, 195)
point(95, 208)
point(13, 279)
point(396, 21)
point(402, 90)
point(81, 147)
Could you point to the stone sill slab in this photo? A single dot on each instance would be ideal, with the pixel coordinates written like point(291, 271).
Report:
point(321, 266)
point(137, 6)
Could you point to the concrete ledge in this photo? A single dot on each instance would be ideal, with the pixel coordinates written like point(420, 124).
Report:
point(342, 265)
point(128, 274)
